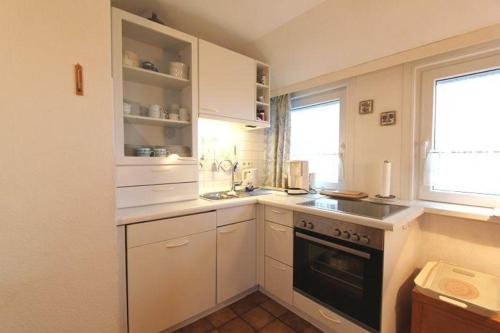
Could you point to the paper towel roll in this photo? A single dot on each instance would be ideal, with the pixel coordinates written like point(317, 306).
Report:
point(386, 179)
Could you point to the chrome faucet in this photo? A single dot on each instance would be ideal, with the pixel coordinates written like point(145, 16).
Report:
point(234, 166)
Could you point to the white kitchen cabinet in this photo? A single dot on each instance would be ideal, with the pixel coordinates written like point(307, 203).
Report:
point(278, 280)
point(236, 259)
point(226, 83)
point(172, 280)
point(279, 243)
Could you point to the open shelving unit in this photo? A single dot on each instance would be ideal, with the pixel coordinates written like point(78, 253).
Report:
point(142, 87)
point(263, 93)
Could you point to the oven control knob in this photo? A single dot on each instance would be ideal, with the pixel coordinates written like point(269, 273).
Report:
point(337, 232)
point(365, 240)
point(346, 235)
point(303, 223)
point(355, 237)
point(310, 225)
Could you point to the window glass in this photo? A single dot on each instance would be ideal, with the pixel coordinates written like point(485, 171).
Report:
point(315, 133)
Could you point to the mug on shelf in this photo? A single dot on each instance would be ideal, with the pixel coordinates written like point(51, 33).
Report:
point(155, 111)
point(127, 108)
point(143, 151)
point(173, 116)
point(160, 151)
point(183, 114)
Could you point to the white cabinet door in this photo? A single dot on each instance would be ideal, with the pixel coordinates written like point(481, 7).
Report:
point(170, 281)
point(236, 259)
point(226, 83)
point(278, 280)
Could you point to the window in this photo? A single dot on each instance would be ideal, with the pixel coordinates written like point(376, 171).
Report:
point(316, 137)
point(461, 133)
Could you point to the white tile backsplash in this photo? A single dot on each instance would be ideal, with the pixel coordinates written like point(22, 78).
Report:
point(218, 141)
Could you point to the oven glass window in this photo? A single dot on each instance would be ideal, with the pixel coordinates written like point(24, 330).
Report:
point(346, 282)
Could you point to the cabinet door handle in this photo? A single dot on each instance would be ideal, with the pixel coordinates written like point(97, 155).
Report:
point(277, 229)
point(177, 244)
point(333, 320)
point(226, 231)
point(278, 267)
point(276, 211)
point(160, 170)
point(208, 110)
point(162, 189)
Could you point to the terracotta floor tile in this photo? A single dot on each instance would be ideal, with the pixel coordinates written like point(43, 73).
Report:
point(294, 321)
point(276, 326)
point(220, 317)
point(257, 298)
point(274, 308)
point(200, 326)
point(312, 329)
point(242, 306)
point(258, 317)
point(236, 326)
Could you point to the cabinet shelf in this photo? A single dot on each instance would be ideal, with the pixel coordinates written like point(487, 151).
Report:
point(154, 121)
point(140, 75)
point(260, 85)
point(262, 103)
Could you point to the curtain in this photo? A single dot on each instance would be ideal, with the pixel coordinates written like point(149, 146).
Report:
point(278, 141)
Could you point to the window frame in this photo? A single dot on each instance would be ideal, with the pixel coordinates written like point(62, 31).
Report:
point(330, 96)
point(428, 78)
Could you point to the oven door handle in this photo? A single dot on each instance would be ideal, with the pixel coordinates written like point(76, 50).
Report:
point(334, 246)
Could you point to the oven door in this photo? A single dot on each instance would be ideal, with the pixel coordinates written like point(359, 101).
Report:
point(344, 277)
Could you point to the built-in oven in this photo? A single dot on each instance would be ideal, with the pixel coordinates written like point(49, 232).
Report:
point(340, 265)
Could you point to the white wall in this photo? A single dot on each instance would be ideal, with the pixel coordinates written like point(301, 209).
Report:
point(57, 232)
point(342, 33)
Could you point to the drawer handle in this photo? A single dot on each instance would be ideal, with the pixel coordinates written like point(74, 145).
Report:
point(333, 320)
point(453, 302)
point(160, 170)
point(181, 243)
point(276, 211)
point(277, 229)
point(162, 189)
point(207, 110)
point(279, 267)
point(226, 231)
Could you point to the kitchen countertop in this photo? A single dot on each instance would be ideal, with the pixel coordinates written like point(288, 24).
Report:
point(278, 199)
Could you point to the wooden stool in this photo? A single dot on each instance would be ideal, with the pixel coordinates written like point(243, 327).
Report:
point(430, 315)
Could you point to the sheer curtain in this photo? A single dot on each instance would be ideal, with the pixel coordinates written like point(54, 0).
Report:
point(278, 141)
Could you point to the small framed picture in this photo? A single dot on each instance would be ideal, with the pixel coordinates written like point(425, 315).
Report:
point(388, 118)
point(366, 106)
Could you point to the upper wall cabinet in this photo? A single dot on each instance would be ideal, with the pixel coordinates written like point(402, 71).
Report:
point(155, 77)
point(228, 86)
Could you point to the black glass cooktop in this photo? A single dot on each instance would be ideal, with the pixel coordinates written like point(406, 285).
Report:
point(363, 208)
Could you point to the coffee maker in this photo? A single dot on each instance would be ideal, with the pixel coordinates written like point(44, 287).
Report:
point(298, 177)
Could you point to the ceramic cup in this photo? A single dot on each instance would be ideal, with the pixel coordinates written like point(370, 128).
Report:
point(154, 111)
point(173, 116)
point(143, 151)
point(159, 152)
point(127, 108)
point(178, 69)
point(183, 114)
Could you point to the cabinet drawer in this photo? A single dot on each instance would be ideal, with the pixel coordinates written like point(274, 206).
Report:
point(279, 243)
point(279, 215)
point(155, 174)
point(171, 281)
point(326, 317)
point(278, 280)
point(154, 194)
point(157, 231)
point(235, 214)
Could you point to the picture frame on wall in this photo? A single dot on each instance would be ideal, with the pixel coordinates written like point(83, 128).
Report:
point(388, 118)
point(366, 106)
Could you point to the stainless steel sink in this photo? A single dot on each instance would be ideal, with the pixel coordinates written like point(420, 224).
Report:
point(223, 195)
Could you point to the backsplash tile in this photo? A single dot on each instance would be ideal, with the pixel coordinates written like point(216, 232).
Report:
point(219, 141)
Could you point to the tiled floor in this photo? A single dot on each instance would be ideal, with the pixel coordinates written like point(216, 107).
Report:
point(254, 313)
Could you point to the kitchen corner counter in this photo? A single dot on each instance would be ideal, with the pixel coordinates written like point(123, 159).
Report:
point(277, 199)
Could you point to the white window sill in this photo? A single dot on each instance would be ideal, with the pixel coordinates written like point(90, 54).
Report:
point(461, 211)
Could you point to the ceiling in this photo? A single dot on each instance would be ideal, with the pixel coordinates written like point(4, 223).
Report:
point(230, 23)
